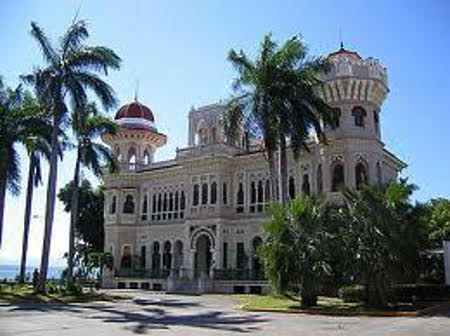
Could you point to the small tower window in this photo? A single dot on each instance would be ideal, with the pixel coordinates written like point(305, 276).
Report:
point(213, 193)
point(204, 193)
point(338, 177)
point(146, 157)
point(376, 121)
point(360, 175)
point(132, 158)
point(359, 114)
point(128, 206)
point(112, 208)
point(224, 193)
point(182, 201)
point(240, 199)
point(337, 117)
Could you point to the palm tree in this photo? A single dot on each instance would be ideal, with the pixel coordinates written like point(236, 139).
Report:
point(71, 70)
point(276, 100)
point(87, 125)
point(386, 235)
point(37, 148)
point(16, 124)
point(295, 250)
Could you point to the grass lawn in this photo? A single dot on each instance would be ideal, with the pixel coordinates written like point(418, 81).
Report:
point(23, 293)
point(326, 306)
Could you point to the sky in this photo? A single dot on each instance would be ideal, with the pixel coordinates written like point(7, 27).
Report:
point(176, 50)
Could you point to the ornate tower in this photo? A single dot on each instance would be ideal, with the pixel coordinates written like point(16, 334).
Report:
point(356, 87)
point(137, 138)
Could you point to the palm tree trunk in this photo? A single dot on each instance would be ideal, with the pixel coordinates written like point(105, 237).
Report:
point(50, 206)
point(73, 217)
point(2, 202)
point(27, 218)
point(283, 170)
point(272, 174)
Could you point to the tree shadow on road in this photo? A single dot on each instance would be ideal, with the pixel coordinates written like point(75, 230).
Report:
point(146, 315)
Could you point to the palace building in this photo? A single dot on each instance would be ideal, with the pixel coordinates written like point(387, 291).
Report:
point(193, 223)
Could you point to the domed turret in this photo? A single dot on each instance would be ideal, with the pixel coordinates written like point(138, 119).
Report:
point(356, 88)
point(137, 138)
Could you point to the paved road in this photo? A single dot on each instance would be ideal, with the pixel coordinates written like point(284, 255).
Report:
point(162, 314)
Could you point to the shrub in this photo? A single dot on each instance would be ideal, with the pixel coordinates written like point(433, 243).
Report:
point(413, 292)
point(352, 293)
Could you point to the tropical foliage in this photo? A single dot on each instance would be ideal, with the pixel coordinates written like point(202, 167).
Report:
point(275, 100)
point(87, 125)
point(296, 248)
point(71, 69)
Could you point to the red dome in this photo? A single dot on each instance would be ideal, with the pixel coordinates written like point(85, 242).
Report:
point(135, 110)
point(345, 52)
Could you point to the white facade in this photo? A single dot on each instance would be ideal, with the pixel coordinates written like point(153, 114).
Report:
point(201, 213)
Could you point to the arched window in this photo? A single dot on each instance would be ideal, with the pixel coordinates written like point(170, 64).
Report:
point(156, 259)
point(178, 256)
point(267, 191)
point(306, 189)
point(337, 115)
point(224, 193)
point(214, 135)
point(260, 192)
point(167, 256)
point(319, 180)
point(213, 193)
point(252, 193)
point(379, 174)
point(196, 196)
point(177, 200)
point(128, 206)
point(204, 193)
point(154, 203)
point(117, 152)
point(159, 202)
point(165, 202)
point(112, 208)
point(256, 263)
point(146, 157)
point(126, 261)
point(291, 187)
point(240, 199)
point(171, 201)
point(132, 158)
point(183, 201)
point(338, 177)
point(376, 121)
point(145, 205)
point(361, 176)
point(359, 114)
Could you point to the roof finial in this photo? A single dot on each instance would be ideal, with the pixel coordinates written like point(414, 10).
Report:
point(136, 90)
point(340, 38)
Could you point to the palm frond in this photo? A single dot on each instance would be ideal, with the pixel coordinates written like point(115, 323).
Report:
point(47, 49)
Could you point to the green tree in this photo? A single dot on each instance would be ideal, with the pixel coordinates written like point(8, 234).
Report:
point(438, 220)
point(71, 70)
point(295, 250)
point(87, 125)
point(274, 99)
point(16, 125)
point(89, 225)
point(387, 236)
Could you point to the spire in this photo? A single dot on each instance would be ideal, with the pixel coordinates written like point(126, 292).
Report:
point(136, 90)
point(340, 39)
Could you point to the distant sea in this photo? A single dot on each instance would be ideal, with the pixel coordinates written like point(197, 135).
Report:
point(11, 271)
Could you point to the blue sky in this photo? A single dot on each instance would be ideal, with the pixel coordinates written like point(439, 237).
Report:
point(177, 51)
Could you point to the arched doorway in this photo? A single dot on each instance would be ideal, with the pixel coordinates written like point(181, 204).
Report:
point(203, 256)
